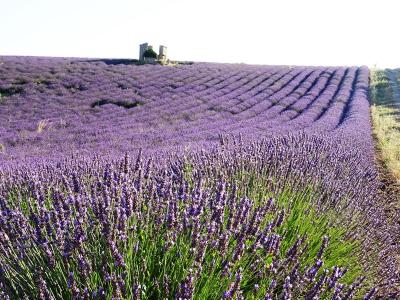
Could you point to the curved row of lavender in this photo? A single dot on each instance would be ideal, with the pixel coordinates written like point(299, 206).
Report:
point(299, 128)
point(52, 106)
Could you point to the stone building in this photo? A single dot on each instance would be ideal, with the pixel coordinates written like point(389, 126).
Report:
point(142, 49)
point(161, 57)
point(162, 53)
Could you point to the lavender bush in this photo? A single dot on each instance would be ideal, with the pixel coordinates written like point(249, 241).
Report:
point(253, 182)
point(127, 230)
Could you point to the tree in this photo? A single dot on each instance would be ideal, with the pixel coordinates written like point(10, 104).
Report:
point(150, 53)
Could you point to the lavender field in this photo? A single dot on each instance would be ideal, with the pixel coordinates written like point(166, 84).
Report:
point(194, 181)
point(81, 106)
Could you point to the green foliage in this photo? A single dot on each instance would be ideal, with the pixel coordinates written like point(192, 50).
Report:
point(380, 91)
point(150, 53)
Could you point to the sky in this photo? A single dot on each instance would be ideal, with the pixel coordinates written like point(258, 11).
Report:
point(279, 32)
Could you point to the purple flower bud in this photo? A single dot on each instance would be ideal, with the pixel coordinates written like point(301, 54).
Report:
point(370, 294)
point(287, 295)
point(72, 286)
point(44, 293)
point(234, 286)
point(323, 247)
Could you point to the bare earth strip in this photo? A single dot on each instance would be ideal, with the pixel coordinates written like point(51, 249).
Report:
point(385, 111)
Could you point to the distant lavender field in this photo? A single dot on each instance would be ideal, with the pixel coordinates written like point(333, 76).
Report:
point(54, 106)
point(197, 181)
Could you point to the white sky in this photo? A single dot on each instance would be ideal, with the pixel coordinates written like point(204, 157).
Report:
point(320, 32)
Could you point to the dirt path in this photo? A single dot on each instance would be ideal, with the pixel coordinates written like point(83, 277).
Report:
point(390, 188)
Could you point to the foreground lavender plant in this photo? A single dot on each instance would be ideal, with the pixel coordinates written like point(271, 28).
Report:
point(105, 230)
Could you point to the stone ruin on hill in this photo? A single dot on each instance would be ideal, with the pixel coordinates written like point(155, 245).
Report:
point(148, 55)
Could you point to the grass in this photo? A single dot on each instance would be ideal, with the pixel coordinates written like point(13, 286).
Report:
point(386, 122)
